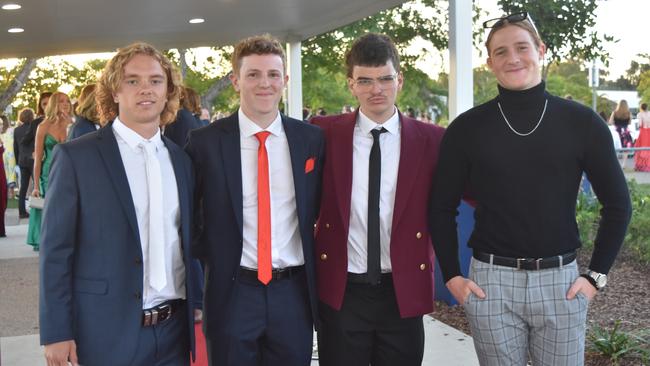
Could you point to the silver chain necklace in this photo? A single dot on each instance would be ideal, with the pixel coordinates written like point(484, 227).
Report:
point(519, 133)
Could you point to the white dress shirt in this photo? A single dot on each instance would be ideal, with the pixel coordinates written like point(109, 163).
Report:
point(286, 244)
point(389, 143)
point(133, 158)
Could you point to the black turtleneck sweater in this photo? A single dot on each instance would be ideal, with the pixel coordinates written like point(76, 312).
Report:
point(526, 187)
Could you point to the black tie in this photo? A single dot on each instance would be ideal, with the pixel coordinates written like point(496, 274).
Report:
point(374, 181)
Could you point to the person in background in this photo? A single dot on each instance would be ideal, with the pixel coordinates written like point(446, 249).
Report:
point(621, 118)
point(3, 183)
point(8, 157)
point(525, 296)
point(29, 139)
point(49, 133)
point(205, 117)
point(87, 119)
point(642, 158)
point(187, 118)
point(24, 158)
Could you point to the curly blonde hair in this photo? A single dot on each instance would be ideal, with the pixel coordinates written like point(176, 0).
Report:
point(113, 74)
point(52, 110)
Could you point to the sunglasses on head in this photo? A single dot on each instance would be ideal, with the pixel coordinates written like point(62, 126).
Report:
point(509, 19)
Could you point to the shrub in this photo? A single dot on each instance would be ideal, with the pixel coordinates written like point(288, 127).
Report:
point(616, 345)
point(637, 238)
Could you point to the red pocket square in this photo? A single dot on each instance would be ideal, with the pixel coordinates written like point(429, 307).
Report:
point(309, 165)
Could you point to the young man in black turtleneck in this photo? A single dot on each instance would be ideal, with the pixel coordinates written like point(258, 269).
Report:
point(522, 156)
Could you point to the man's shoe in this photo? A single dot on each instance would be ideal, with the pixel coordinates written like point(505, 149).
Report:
point(23, 216)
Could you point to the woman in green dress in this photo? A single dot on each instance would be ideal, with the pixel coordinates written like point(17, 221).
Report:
point(53, 130)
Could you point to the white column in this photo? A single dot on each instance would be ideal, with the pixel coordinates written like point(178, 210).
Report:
point(461, 83)
point(294, 70)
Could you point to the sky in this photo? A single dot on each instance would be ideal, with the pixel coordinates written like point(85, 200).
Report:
point(628, 21)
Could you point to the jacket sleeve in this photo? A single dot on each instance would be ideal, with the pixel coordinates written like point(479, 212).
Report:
point(58, 234)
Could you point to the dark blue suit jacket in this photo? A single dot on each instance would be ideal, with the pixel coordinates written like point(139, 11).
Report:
point(81, 127)
point(91, 272)
point(216, 154)
point(179, 130)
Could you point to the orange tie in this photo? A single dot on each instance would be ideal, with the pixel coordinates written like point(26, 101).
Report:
point(263, 211)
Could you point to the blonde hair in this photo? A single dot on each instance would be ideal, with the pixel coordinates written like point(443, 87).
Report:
point(622, 110)
point(52, 110)
point(87, 107)
point(113, 73)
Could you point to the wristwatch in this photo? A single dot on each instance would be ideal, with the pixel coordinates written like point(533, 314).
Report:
point(599, 280)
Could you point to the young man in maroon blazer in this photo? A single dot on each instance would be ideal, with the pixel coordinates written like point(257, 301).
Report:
point(374, 253)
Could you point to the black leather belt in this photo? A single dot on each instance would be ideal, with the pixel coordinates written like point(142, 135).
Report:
point(530, 264)
point(362, 278)
point(161, 312)
point(276, 274)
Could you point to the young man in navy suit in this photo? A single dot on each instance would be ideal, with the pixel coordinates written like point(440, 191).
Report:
point(375, 258)
point(116, 268)
point(258, 179)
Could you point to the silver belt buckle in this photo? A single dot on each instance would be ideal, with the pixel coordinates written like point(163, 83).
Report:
point(154, 316)
point(519, 260)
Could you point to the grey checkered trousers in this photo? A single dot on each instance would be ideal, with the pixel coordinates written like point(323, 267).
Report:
point(526, 314)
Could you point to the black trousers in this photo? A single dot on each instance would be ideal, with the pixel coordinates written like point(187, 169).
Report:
point(368, 329)
point(25, 176)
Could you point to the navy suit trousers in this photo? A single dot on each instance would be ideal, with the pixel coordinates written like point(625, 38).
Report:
point(269, 325)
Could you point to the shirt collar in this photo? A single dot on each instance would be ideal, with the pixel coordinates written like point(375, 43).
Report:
point(249, 128)
point(132, 138)
point(391, 125)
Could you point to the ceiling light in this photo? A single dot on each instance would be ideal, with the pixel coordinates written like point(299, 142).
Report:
point(15, 30)
point(197, 20)
point(11, 7)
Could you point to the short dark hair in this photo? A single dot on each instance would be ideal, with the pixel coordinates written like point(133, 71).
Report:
point(372, 50)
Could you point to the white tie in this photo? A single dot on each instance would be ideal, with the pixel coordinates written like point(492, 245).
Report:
point(156, 234)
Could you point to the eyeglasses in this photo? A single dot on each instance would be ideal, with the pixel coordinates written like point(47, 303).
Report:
point(383, 81)
point(508, 19)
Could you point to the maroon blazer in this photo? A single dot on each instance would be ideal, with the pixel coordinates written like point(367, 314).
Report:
point(411, 251)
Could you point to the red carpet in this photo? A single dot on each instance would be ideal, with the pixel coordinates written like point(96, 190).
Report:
point(201, 352)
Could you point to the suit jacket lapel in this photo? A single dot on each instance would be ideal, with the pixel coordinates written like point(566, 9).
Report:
point(110, 152)
point(411, 155)
point(231, 155)
point(299, 154)
point(342, 163)
point(181, 185)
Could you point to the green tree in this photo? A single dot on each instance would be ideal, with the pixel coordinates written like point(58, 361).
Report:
point(564, 26)
point(633, 73)
point(644, 86)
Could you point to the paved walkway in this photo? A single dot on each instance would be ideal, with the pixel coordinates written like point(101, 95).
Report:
point(19, 343)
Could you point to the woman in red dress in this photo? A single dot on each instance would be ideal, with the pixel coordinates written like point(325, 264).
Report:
point(642, 158)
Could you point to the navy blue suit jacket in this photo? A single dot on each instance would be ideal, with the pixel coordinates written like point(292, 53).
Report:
point(179, 130)
point(215, 151)
point(81, 127)
point(91, 272)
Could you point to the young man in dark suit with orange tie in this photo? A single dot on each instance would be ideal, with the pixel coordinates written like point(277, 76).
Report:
point(374, 253)
point(258, 178)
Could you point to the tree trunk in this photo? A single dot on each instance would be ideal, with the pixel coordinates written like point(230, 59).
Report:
point(17, 83)
point(182, 52)
point(213, 92)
